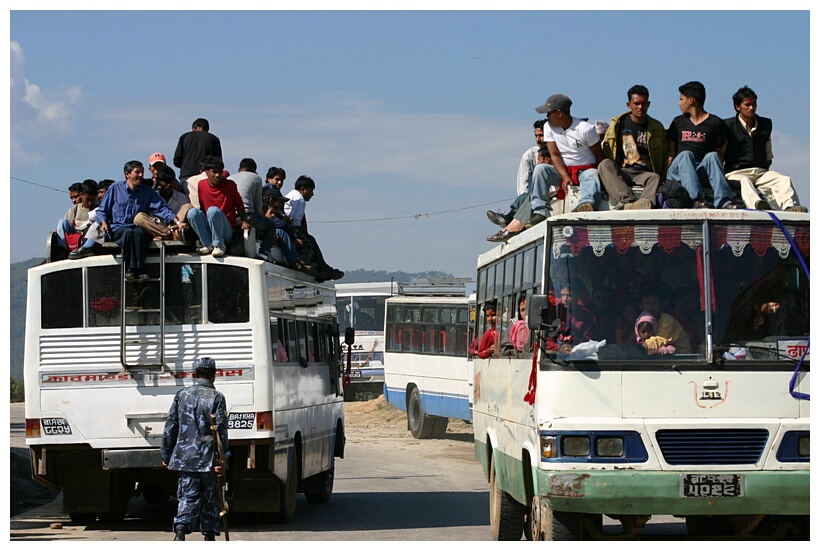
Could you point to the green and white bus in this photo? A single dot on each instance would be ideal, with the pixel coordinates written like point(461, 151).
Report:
point(585, 423)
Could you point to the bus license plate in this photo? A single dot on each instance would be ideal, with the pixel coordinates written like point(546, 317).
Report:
point(355, 374)
point(241, 420)
point(711, 485)
point(55, 426)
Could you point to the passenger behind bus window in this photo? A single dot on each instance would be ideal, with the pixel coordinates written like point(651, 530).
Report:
point(646, 327)
point(623, 325)
point(668, 326)
point(577, 322)
point(686, 309)
point(489, 340)
point(519, 332)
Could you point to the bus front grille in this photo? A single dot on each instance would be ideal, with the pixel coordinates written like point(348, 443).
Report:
point(712, 446)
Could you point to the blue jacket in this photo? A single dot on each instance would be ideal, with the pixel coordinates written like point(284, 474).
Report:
point(187, 441)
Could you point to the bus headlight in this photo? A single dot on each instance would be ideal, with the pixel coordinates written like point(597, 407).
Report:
point(575, 446)
point(610, 446)
point(548, 448)
point(803, 446)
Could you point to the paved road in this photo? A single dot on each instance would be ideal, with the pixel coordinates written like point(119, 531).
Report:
point(394, 490)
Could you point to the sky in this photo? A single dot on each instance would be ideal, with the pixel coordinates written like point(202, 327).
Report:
point(412, 123)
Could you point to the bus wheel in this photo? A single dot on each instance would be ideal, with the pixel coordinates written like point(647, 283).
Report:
point(421, 426)
point(287, 499)
point(321, 487)
point(439, 427)
point(506, 514)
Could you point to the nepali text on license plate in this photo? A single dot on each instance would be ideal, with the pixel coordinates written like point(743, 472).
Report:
point(55, 426)
point(711, 485)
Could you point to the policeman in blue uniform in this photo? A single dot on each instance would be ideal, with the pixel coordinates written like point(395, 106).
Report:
point(188, 446)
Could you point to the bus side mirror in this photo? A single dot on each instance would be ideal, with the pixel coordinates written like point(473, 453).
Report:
point(350, 336)
point(536, 306)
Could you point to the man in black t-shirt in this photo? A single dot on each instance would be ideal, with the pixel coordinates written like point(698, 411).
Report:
point(695, 143)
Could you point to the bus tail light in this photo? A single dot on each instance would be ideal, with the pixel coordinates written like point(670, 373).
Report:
point(32, 428)
point(264, 420)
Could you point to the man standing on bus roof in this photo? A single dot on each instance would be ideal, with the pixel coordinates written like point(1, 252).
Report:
point(188, 446)
point(696, 140)
point(634, 147)
point(192, 147)
point(123, 201)
point(749, 156)
point(575, 151)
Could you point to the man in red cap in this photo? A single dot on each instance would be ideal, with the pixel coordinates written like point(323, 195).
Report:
point(157, 162)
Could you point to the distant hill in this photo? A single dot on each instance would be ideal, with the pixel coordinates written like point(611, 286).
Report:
point(17, 314)
point(17, 302)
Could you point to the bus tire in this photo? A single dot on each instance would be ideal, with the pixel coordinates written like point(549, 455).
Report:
point(439, 427)
point(506, 514)
point(287, 497)
point(321, 487)
point(419, 423)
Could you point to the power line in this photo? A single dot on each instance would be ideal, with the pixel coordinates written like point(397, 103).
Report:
point(405, 217)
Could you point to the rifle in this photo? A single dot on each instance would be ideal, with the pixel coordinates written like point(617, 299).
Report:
point(221, 481)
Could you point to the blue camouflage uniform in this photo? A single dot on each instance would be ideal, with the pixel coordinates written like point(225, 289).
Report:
point(188, 446)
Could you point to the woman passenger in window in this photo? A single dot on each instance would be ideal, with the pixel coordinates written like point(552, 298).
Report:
point(577, 321)
point(519, 332)
point(489, 340)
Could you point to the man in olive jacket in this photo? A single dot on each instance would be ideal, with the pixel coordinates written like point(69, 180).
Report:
point(635, 149)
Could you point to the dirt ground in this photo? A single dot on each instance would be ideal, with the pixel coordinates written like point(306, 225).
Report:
point(370, 423)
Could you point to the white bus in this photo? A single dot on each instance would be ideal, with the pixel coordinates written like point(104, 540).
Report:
point(588, 423)
point(104, 359)
point(361, 306)
point(427, 371)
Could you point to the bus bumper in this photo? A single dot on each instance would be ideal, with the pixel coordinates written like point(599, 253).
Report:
point(652, 492)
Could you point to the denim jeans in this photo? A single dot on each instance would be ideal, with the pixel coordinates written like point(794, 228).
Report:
point(546, 176)
point(692, 176)
point(590, 186)
point(213, 230)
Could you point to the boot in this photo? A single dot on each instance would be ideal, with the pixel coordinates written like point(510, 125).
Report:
point(210, 536)
point(179, 532)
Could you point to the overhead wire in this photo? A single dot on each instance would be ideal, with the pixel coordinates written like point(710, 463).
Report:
point(383, 219)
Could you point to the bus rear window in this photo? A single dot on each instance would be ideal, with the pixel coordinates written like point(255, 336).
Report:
point(61, 299)
point(228, 299)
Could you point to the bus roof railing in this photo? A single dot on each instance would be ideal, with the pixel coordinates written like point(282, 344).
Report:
point(450, 286)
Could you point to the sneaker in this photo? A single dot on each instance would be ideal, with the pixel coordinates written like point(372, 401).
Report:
point(142, 278)
point(335, 274)
point(796, 208)
point(264, 257)
point(760, 204)
point(130, 277)
point(584, 207)
point(701, 204)
point(219, 251)
point(204, 250)
point(732, 206)
point(640, 204)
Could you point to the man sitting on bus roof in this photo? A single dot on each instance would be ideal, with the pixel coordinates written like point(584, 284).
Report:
point(221, 211)
point(123, 201)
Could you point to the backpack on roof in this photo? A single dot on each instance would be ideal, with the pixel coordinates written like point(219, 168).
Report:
point(672, 195)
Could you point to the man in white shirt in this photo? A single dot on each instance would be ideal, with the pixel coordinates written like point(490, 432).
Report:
point(295, 208)
point(575, 150)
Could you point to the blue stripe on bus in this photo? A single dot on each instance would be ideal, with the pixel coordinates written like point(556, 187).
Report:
point(454, 406)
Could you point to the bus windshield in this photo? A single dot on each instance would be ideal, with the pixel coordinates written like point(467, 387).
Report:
point(650, 293)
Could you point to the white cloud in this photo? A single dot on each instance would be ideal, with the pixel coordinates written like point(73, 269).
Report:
point(39, 117)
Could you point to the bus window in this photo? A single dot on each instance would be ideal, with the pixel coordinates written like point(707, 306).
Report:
point(301, 335)
point(104, 296)
point(61, 299)
point(528, 269)
point(227, 294)
point(278, 350)
point(183, 293)
point(291, 340)
point(430, 334)
point(312, 342)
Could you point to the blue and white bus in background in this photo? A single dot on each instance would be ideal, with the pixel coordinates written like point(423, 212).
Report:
point(427, 370)
point(361, 306)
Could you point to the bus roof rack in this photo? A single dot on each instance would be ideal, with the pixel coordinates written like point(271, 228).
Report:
point(439, 286)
